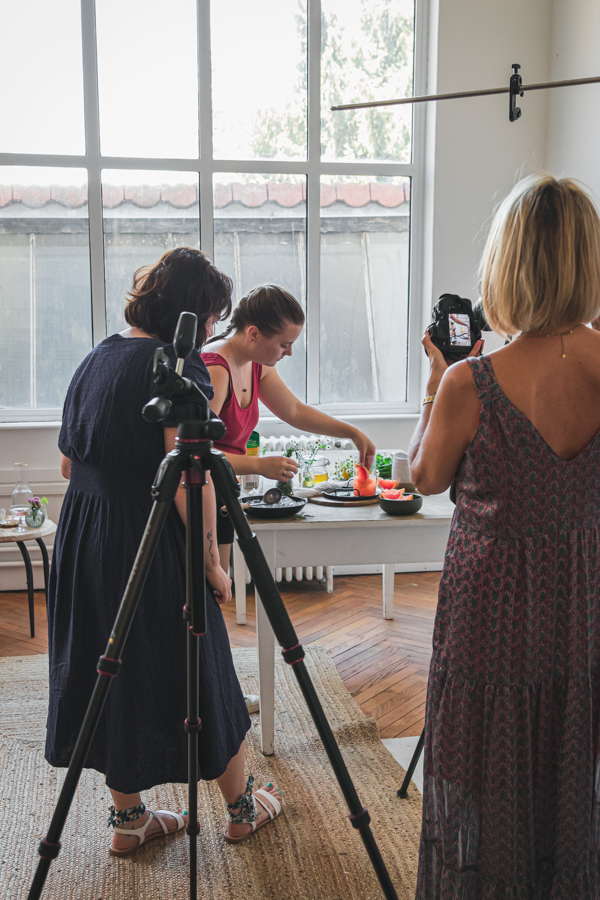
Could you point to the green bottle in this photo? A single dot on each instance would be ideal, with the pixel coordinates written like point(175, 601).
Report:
point(252, 482)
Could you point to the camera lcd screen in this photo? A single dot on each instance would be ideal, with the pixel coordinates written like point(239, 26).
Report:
point(459, 326)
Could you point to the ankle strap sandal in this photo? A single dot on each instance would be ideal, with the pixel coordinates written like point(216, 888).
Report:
point(249, 812)
point(122, 816)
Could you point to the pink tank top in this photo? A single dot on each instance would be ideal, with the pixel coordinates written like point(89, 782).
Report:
point(240, 423)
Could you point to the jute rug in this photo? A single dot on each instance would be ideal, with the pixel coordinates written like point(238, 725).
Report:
point(310, 851)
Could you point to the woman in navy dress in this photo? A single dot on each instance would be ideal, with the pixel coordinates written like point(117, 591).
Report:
point(111, 455)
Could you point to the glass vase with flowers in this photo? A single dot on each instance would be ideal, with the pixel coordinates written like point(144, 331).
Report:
point(36, 514)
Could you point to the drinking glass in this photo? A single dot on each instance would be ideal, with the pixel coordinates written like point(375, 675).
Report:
point(19, 513)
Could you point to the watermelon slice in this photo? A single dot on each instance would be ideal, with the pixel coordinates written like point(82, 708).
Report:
point(394, 495)
point(361, 474)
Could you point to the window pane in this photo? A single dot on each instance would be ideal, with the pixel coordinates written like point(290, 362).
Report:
point(260, 238)
point(365, 228)
point(259, 79)
point(148, 78)
point(42, 78)
point(366, 54)
point(145, 214)
point(45, 288)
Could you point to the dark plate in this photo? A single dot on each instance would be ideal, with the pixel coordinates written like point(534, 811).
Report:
point(275, 512)
point(346, 494)
point(401, 507)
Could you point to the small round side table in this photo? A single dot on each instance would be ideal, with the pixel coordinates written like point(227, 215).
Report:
point(33, 534)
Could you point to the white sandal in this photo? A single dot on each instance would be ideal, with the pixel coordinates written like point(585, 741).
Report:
point(140, 831)
point(249, 818)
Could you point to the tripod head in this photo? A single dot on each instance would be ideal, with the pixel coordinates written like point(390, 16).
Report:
point(178, 400)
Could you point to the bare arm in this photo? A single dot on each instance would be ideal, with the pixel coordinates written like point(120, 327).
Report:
point(65, 466)
point(269, 466)
point(215, 575)
point(447, 426)
point(280, 400)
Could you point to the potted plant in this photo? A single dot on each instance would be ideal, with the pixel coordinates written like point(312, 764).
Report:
point(36, 515)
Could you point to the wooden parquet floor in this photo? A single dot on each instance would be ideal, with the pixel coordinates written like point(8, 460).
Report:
point(384, 664)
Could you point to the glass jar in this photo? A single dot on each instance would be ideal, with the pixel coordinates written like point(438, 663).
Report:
point(22, 492)
point(313, 471)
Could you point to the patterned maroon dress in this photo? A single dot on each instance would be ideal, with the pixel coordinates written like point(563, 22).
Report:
point(512, 774)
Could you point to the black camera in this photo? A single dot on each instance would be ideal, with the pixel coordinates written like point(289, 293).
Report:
point(457, 326)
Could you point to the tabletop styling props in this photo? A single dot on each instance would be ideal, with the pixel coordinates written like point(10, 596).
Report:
point(20, 495)
point(36, 514)
point(365, 482)
point(401, 470)
point(400, 503)
point(179, 402)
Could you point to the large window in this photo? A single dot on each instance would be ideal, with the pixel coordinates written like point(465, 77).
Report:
point(152, 124)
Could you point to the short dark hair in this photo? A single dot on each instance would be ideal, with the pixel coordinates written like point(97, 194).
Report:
point(267, 306)
point(183, 280)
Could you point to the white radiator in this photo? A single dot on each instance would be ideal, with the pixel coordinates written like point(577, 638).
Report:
point(280, 444)
point(302, 572)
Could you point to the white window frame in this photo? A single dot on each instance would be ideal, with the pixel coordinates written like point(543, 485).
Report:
point(313, 168)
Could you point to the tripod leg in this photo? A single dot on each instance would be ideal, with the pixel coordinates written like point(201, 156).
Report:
point(195, 615)
point(226, 486)
point(403, 789)
point(108, 664)
point(239, 577)
point(265, 639)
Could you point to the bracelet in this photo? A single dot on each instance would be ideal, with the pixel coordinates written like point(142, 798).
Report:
point(429, 398)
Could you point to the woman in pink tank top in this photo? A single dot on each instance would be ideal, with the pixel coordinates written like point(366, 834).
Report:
point(241, 364)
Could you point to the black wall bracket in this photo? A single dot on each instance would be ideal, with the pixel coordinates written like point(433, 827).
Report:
point(514, 91)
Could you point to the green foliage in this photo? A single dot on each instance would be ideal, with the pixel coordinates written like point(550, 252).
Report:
point(383, 465)
point(376, 64)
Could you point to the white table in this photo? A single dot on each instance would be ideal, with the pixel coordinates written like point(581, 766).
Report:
point(32, 534)
point(338, 537)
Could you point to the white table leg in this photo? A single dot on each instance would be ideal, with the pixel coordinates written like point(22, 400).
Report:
point(266, 658)
point(388, 591)
point(239, 579)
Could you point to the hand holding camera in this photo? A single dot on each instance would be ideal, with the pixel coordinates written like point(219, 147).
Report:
point(454, 334)
point(456, 327)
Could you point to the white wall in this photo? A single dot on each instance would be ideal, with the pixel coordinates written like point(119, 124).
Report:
point(474, 157)
point(479, 154)
point(574, 113)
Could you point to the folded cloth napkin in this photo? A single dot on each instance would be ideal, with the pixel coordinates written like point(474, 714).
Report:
point(320, 488)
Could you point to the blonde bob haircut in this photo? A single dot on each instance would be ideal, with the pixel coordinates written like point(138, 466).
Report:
point(540, 269)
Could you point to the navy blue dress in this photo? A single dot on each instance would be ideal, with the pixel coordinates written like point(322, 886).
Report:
point(114, 453)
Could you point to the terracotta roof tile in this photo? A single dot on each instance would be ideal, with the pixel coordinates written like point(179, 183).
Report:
point(180, 195)
point(223, 194)
point(31, 195)
point(112, 195)
point(143, 195)
point(69, 195)
point(328, 194)
point(387, 194)
point(251, 195)
point(183, 196)
point(353, 194)
point(284, 193)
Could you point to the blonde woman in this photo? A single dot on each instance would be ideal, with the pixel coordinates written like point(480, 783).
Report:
point(512, 731)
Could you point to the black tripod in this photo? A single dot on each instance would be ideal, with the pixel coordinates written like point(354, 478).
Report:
point(178, 401)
